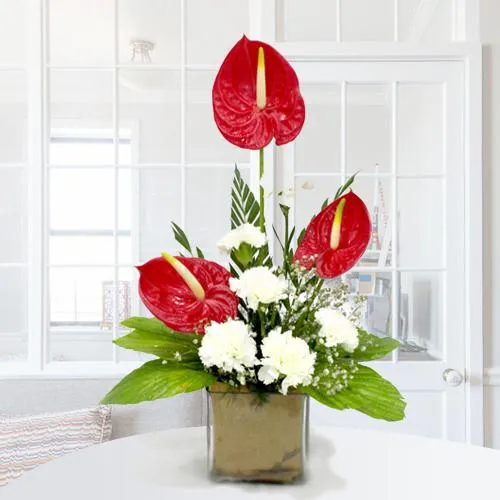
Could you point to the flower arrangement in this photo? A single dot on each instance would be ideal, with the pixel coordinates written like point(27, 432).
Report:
point(271, 326)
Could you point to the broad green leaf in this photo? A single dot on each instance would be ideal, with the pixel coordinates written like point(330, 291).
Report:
point(368, 393)
point(146, 325)
point(372, 347)
point(170, 346)
point(156, 380)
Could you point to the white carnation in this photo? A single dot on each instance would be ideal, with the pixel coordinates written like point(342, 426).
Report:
point(286, 356)
point(259, 285)
point(336, 329)
point(246, 233)
point(229, 346)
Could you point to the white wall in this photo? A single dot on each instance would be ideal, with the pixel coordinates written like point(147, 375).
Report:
point(490, 37)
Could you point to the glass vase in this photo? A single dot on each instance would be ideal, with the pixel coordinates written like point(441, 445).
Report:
point(256, 437)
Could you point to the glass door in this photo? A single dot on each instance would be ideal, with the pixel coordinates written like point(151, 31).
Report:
point(400, 126)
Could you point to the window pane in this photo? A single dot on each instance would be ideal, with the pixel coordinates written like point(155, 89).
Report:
point(420, 128)
point(160, 204)
point(13, 116)
point(149, 105)
point(368, 127)
point(82, 151)
point(377, 195)
point(129, 306)
point(128, 198)
point(204, 142)
point(13, 215)
point(81, 104)
point(156, 21)
point(208, 205)
point(213, 28)
point(81, 32)
point(422, 236)
point(13, 300)
point(82, 249)
point(13, 32)
point(367, 20)
point(77, 295)
point(310, 193)
point(376, 288)
point(425, 22)
point(421, 309)
point(320, 24)
point(82, 199)
point(13, 314)
point(317, 148)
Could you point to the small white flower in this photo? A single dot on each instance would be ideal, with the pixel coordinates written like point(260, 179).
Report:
point(259, 285)
point(246, 233)
point(337, 329)
point(228, 346)
point(288, 356)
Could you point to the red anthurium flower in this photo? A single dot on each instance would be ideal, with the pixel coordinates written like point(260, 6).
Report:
point(256, 97)
point(187, 293)
point(336, 238)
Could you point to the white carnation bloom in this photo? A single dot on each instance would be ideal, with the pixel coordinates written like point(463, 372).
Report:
point(228, 346)
point(337, 329)
point(259, 285)
point(288, 356)
point(246, 233)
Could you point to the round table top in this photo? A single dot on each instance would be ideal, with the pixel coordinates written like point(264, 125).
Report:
point(343, 464)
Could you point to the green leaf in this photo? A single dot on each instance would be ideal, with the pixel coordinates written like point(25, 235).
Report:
point(342, 189)
point(147, 325)
point(156, 380)
point(199, 253)
point(169, 346)
point(372, 347)
point(367, 393)
point(324, 204)
point(285, 209)
point(301, 236)
point(243, 255)
point(244, 206)
point(181, 238)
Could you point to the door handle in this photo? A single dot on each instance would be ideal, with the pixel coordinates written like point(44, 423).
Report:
point(453, 377)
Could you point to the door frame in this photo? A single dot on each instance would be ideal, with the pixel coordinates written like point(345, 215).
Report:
point(469, 54)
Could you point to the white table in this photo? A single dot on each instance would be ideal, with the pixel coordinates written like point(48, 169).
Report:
point(345, 464)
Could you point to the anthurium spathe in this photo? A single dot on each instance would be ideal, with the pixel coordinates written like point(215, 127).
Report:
point(256, 97)
point(336, 238)
point(187, 293)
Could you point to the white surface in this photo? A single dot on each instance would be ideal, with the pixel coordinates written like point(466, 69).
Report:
point(344, 464)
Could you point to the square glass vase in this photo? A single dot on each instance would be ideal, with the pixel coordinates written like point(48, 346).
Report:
point(256, 437)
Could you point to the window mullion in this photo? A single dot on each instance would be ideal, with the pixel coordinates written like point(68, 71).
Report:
point(35, 174)
point(116, 146)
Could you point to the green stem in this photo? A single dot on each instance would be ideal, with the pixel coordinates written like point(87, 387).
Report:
point(261, 191)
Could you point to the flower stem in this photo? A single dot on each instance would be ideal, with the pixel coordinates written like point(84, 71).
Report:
point(261, 191)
